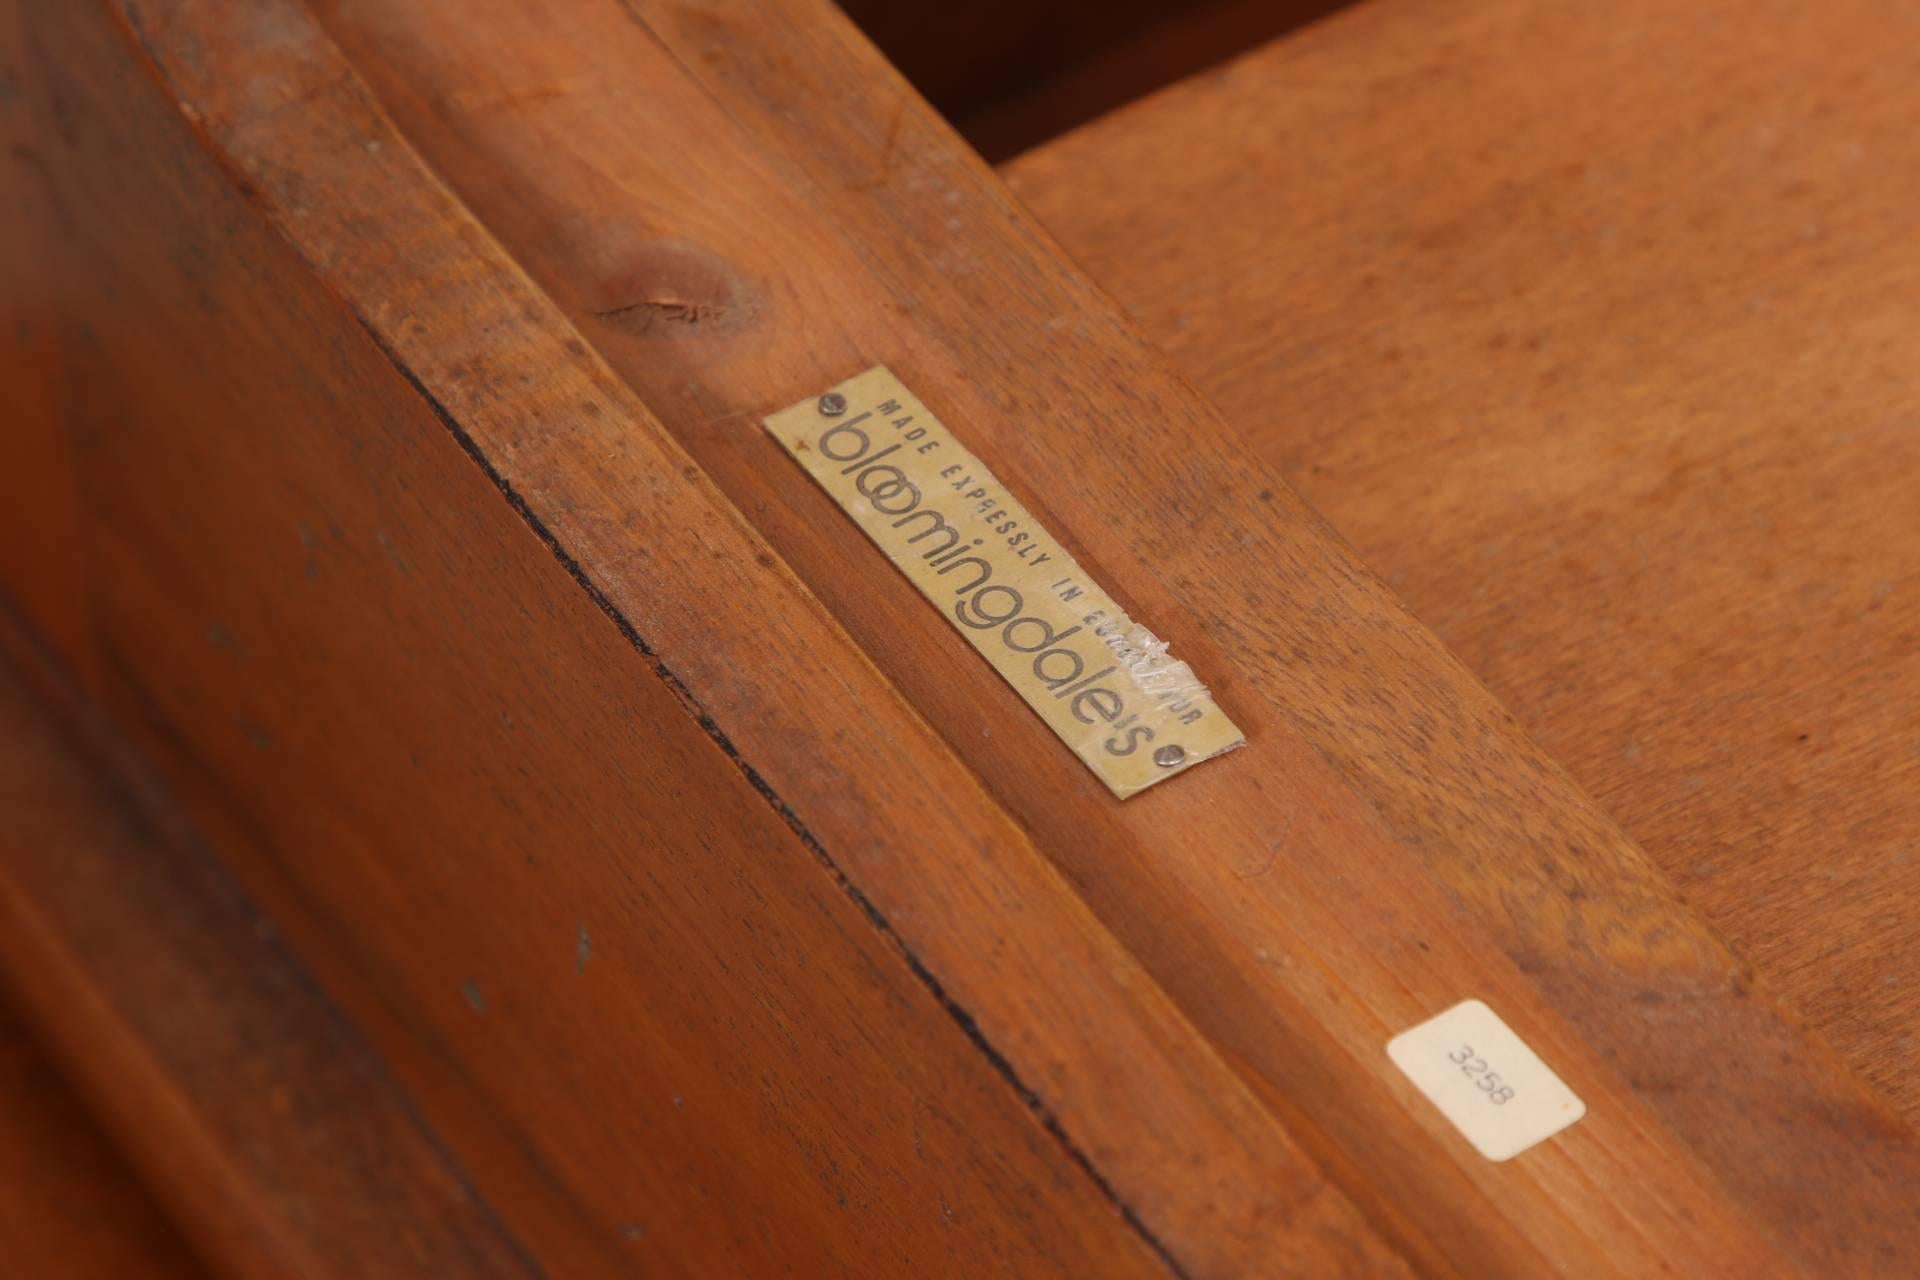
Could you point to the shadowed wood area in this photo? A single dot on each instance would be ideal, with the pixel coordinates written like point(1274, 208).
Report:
point(275, 1139)
point(1011, 74)
point(69, 1205)
point(1594, 331)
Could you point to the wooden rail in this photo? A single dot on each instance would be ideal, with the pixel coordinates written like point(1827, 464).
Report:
point(713, 901)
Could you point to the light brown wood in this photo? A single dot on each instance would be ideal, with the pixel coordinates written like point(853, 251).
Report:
point(1591, 328)
point(908, 255)
point(460, 641)
point(747, 1070)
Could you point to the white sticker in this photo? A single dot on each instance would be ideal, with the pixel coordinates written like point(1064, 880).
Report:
point(1482, 1076)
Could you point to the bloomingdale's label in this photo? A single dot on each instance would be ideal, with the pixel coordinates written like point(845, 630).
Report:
point(1106, 685)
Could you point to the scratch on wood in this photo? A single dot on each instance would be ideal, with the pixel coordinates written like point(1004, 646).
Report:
point(1275, 847)
point(648, 314)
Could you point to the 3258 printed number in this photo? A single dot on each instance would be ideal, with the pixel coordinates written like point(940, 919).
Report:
point(1475, 1068)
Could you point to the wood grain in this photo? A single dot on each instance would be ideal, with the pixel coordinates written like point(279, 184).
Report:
point(611, 698)
point(620, 974)
point(1592, 330)
point(69, 1205)
point(1393, 843)
point(272, 1135)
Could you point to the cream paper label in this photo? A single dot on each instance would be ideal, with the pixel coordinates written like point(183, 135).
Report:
point(1483, 1077)
point(1103, 683)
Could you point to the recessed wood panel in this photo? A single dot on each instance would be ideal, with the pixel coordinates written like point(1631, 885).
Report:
point(1591, 330)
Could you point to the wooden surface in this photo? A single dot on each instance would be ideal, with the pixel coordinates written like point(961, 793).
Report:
point(69, 1205)
point(256, 1115)
point(723, 275)
point(685, 868)
point(623, 979)
point(1593, 331)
